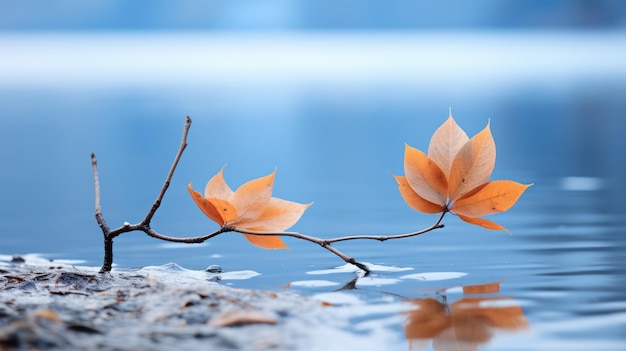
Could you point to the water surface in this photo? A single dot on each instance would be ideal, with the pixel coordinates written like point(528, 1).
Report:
point(556, 283)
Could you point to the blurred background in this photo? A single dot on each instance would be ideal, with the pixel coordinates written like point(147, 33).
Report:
point(282, 15)
point(327, 91)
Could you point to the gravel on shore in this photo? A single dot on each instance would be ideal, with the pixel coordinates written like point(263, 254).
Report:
point(63, 307)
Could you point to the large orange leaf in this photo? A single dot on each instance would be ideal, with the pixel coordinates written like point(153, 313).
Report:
point(473, 164)
point(415, 201)
point(455, 176)
point(446, 143)
point(424, 176)
point(485, 223)
point(492, 197)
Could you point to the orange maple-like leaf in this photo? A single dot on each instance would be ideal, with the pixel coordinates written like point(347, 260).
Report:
point(454, 177)
point(250, 207)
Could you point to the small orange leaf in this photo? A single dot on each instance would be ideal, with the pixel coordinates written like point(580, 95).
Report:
point(251, 207)
point(268, 242)
point(424, 176)
point(217, 187)
point(445, 144)
point(485, 223)
point(252, 197)
point(473, 164)
point(278, 215)
point(415, 201)
point(227, 211)
point(219, 211)
point(493, 197)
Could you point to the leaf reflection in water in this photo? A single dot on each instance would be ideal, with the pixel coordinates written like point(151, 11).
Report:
point(465, 324)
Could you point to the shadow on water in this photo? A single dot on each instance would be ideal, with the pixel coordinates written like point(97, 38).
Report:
point(450, 317)
point(464, 324)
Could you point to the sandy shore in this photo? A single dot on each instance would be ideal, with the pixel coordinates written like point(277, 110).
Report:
point(63, 307)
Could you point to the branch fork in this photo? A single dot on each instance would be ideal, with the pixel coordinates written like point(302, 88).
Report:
point(144, 225)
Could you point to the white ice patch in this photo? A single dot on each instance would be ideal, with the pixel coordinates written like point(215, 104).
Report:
point(431, 276)
point(35, 259)
point(239, 275)
point(350, 268)
point(313, 283)
point(339, 298)
point(182, 275)
point(373, 281)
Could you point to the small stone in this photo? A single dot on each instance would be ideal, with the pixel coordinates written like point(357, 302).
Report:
point(214, 269)
point(17, 259)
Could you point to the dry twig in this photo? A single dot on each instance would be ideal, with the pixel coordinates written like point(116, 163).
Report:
point(144, 225)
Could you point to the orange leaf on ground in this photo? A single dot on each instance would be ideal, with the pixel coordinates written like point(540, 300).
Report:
point(424, 176)
point(493, 197)
point(473, 164)
point(415, 201)
point(485, 223)
point(445, 144)
point(242, 317)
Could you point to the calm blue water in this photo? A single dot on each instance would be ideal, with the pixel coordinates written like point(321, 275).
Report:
point(336, 143)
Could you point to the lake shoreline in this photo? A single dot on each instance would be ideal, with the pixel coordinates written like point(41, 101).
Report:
point(59, 306)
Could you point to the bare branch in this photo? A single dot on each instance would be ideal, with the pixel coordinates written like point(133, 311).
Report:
point(322, 242)
point(181, 148)
point(144, 225)
point(189, 240)
point(437, 225)
point(107, 262)
point(326, 243)
point(96, 185)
